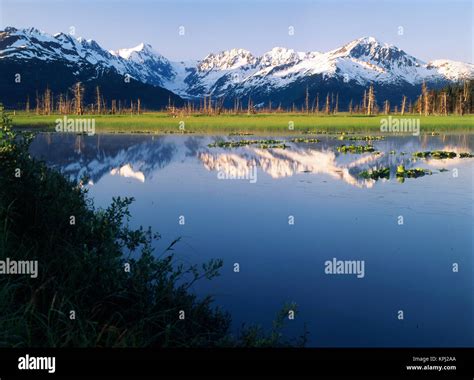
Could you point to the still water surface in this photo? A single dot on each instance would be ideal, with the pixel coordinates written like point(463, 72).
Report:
point(336, 214)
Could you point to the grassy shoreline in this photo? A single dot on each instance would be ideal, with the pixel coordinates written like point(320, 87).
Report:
point(160, 122)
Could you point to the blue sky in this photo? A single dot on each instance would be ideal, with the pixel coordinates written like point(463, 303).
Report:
point(431, 29)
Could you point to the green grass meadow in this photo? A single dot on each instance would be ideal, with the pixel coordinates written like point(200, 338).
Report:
point(160, 122)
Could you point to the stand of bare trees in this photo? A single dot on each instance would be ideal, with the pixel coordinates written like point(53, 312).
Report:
point(47, 103)
point(455, 99)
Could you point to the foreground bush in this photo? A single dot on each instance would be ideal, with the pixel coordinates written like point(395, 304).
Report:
point(99, 282)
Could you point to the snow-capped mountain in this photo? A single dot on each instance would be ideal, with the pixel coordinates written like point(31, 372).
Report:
point(279, 75)
point(143, 63)
point(58, 61)
point(28, 44)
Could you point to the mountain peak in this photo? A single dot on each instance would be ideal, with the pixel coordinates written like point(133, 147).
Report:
point(369, 40)
point(10, 29)
point(32, 30)
point(25, 31)
point(279, 56)
point(227, 60)
point(359, 44)
point(237, 51)
point(374, 52)
point(126, 53)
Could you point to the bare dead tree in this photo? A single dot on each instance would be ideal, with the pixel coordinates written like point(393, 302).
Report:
point(404, 102)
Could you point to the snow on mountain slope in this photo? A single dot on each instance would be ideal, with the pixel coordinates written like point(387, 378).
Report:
point(141, 62)
point(236, 71)
point(363, 60)
point(452, 70)
point(367, 59)
point(32, 44)
point(279, 56)
point(146, 64)
point(126, 53)
point(227, 60)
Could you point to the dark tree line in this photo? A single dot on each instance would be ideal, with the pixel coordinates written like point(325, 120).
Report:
point(454, 99)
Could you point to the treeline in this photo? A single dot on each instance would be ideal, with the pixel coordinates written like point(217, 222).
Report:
point(72, 102)
point(454, 99)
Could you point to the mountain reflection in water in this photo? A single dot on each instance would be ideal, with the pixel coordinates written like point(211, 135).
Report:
point(142, 157)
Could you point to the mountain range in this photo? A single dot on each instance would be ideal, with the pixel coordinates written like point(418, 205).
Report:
point(280, 75)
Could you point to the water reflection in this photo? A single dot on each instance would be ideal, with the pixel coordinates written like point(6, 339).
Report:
point(337, 214)
point(141, 157)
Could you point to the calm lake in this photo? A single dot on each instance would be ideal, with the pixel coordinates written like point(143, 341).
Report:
point(298, 208)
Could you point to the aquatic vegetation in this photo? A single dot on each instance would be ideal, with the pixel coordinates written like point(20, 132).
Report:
point(361, 138)
point(179, 132)
point(270, 143)
point(441, 154)
point(303, 140)
point(355, 148)
point(227, 144)
point(273, 146)
point(401, 173)
point(421, 154)
point(437, 154)
point(240, 134)
point(314, 132)
point(411, 173)
point(321, 132)
point(375, 174)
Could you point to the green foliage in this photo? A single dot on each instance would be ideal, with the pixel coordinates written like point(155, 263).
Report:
point(303, 140)
point(255, 336)
point(438, 154)
point(442, 154)
point(240, 134)
point(83, 268)
point(269, 143)
point(375, 174)
point(361, 138)
point(412, 173)
point(356, 149)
